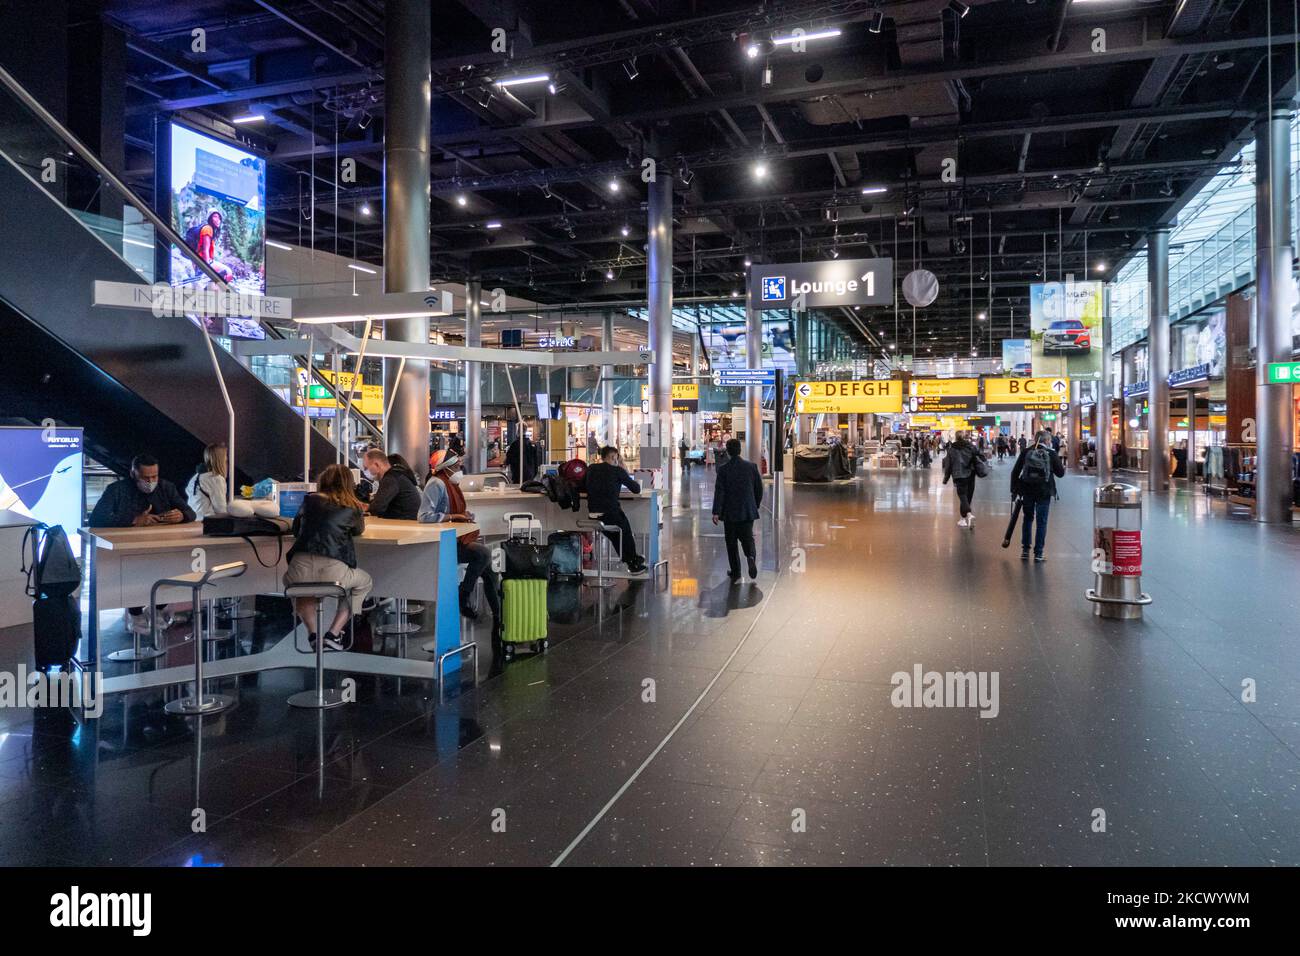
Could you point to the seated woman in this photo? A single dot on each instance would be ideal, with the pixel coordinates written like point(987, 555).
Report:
point(206, 491)
point(442, 501)
point(325, 526)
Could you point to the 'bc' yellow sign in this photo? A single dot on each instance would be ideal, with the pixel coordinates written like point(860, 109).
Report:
point(1026, 394)
point(883, 397)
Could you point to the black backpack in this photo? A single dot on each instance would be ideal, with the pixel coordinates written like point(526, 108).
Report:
point(52, 578)
point(1036, 475)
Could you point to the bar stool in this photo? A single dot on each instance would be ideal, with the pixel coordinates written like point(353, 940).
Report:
point(212, 632)
point(198, 703)
point(599, 546)
point(400, 614)
point(321, 697)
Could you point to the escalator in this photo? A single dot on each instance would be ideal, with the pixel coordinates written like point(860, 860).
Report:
point(133, 381)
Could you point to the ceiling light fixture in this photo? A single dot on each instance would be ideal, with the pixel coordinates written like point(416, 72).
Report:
point(795, 37)
point(752, 51)
point(365, 209)
point(760, 170)
point(874, 190)
point(522, 80)
point(609, 274)
point(615, 185)
point(630, 69)
point(959, 8)
point(626, 231)
point(250, 118)
point(278, 245)
point(492, 225)
point(365, 269)
point(877, 21)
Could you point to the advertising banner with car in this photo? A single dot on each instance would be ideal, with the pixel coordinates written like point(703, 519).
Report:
point(1065, 323)
point(1017, 357)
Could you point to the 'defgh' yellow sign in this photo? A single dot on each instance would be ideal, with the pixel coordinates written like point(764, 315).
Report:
point(880, 397)
point(943, 387)
point(1026, 393)
point(682, 391)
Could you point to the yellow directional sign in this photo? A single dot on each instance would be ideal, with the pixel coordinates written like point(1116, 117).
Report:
point(882, 397)
point(1026, 394)
point(686, 396)
point(942, 395)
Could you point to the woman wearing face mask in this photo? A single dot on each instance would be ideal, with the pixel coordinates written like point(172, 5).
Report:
point(443, 500)
point(207, 489)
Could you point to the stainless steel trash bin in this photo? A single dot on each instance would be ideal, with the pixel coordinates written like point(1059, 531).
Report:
point(1117, 552)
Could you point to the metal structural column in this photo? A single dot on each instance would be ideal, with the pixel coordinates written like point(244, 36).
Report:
point(692, 420)
point(659, 288)
point(607, 389)
point(1158, 352)
point(753, 395)
point(474, 378)
point(407, 93)
point(1273, 407)
point(1103, 432)
point(1074, 437)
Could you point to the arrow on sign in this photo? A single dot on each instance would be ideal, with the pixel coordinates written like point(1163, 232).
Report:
point(805, 389)
point(1058, 386)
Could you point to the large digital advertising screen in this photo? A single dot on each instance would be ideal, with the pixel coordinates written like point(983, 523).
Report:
point(1017, 357)
point(41, 478)
point(218, 206)
point(727, 349)
point(1065, 325)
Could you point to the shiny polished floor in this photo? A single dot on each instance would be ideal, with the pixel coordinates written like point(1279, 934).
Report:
point(705, 724)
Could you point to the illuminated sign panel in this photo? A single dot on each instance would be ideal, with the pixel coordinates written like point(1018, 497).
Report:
point(686, 396)
point(881, 397)
point(941, 396)
point(1026, 394)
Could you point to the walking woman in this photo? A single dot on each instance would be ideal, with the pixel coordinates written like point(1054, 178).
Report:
point(963, 464)
point(324, 527)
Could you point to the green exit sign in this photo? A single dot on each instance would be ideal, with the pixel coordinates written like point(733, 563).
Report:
point(1284, 373)
point(1048, 416)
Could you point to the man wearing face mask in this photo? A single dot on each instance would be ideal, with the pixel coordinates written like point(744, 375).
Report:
point(141, 500)
point(442, 500)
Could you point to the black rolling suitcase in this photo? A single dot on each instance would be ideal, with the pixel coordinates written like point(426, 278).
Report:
point(52, 576)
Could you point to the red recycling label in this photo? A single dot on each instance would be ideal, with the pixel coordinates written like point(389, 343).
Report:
point(1127, 554)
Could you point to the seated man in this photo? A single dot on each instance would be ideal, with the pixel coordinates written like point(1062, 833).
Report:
point(604, 481)
point(397, 493)
point(443, 500)
point(141, 500)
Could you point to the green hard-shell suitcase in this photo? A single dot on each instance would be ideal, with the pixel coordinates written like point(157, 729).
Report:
point(523, 607)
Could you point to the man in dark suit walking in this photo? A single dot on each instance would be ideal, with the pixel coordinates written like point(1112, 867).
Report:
point(737, 493)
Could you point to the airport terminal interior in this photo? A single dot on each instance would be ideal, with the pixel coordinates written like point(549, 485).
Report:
point(649, 433)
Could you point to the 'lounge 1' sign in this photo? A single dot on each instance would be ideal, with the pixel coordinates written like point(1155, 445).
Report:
point(827, 283)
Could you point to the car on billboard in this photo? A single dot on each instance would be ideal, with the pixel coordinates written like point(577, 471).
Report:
point(1068, 336)
point(1022, 369)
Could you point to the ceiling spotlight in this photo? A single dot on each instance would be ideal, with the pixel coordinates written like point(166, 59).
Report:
point(1101, 267)
point(685, 174)
point(982, 316)
point(365, 209)
point(363, 120)
point(462, 200)
point(615, 185)
point(630, 69)
point(748, 263)
point(546, 190)
point(609, 274)
point(752, 51)
point(959, 8)
point(1168, 188)
point(974, 353)
point(626, 231)
point(760, 170)
point(521, 80)
point(877, 21)
point(735, 294)
point(767, 74)
point(835, 253)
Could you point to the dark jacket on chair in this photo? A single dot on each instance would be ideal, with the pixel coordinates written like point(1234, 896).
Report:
point(738, 491)
point(325, 529)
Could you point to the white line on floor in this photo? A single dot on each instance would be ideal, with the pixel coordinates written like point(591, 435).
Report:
point(559, 860)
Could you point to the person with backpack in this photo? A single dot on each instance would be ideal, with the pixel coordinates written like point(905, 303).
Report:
point(1033, 479)
point(443, 500)
point(203, 238)
point(396, 495)
point(206, 491)
point(324, 527)
point(737, 494)
point(963, 464)
point(605, 479)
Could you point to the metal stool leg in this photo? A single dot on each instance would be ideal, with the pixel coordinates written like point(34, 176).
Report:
point(403, 625)
point(214, 633)
point(237, 611)
point(136, 652)
point(321, 697)
point(199, 703)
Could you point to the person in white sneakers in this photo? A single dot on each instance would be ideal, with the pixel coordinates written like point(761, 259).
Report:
point(963, 464)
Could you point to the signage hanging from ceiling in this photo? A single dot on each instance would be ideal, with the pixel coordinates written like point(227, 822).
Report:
point(686, 397)
point(830, 282)
point(1026, 394)
point(880, 397)
point(941, 396)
